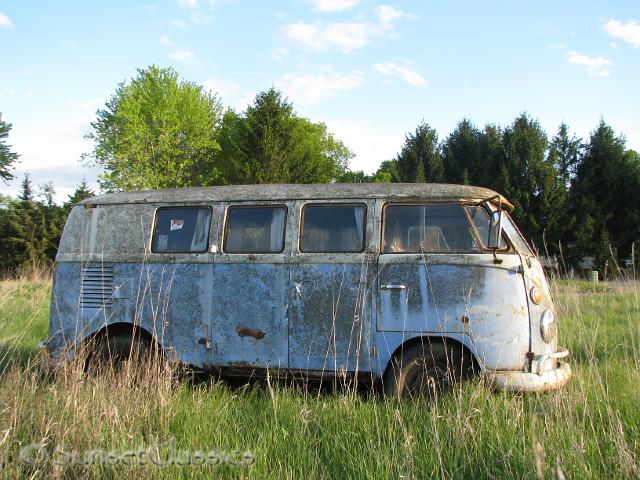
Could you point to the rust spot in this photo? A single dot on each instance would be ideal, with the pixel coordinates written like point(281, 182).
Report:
point(243, 331)
point(465, 319)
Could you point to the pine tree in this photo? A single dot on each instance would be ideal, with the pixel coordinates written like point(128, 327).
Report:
point(605, 190)
point(7, 157)
point(420, 159)
point(27, 236)
point(82, 192)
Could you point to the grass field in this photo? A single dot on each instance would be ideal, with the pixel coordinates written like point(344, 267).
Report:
point(590, 429)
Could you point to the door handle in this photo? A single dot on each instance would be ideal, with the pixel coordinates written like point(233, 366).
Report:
point(392, 287)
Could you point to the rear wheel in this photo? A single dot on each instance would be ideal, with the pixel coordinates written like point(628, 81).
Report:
point(426, 369)
point(112, 351)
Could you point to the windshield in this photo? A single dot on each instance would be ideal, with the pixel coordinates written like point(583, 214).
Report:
point(514, 235)
point(480, 219)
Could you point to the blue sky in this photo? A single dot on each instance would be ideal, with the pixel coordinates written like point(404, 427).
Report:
point(371, 70)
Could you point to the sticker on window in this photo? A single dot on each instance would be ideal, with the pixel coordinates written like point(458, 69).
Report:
point(177, 224)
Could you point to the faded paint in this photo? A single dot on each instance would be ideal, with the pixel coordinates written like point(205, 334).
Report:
point(343, 313)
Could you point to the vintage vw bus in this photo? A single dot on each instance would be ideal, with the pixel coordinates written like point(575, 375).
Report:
point(409, 285)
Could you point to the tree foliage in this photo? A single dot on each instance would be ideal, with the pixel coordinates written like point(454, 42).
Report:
point(157, 132)
point(604, 196)
point(269, 143)
point(30, 227)
point(420, 159)
point(566, 193)
point(7, 157)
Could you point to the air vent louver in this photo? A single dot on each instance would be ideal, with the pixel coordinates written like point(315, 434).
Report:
point(97, 286)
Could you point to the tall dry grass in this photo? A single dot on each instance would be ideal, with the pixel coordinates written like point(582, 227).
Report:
point(590, 429)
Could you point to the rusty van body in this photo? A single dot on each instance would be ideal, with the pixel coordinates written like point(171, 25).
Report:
point(320, 279)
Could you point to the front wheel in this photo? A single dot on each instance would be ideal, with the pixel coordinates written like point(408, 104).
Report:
point(426, 369)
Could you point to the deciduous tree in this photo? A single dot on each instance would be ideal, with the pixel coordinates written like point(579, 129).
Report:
point(157, 131)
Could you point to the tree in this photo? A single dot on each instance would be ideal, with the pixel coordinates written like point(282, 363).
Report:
point(82, 191)
point(532, 177)
point(157, 132)
point(420, 160)
point(604, 196)
point(565, 153)
point(387, 172)
point(461, 154)
point(26, 189)
point(269, 143)
point(26, 233)
point(7, 157)
point(47, 193)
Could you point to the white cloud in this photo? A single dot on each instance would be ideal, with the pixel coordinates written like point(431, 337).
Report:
point(409, 75)
point(627, 31)
point(345, 36)
point(87, 106)
point(182, 55)
point(328, 6)
point(5, 21)
point(371, 144)
point(188, 3)
point(556, 46)
point(164, 40)
point(596, 66)
point(307, 88)
point(55, 156)
point(387, 13)
point(177, 23)
point(222, 88)
point(9, 91)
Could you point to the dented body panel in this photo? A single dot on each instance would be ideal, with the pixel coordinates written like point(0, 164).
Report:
point(323, 313)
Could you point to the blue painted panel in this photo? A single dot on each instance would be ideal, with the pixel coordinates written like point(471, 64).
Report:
point(249, 321)
point(171, 301)
point(471, 296)
point(330, 317)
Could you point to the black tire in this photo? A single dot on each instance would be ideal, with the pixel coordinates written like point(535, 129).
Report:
point(428, 369)
point(112, 351)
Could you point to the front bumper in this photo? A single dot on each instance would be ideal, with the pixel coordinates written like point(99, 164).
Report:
point(532, 382)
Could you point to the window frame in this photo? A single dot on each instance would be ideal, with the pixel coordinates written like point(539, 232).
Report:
point(230, 207)
point(508, 249)
point(462, 205)
point(183, 207)
point(332, 204)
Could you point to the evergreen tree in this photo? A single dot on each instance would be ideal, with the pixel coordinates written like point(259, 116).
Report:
point(533, 179)
point(26, 232)
point(82, 191)
point(565, 153)
point(604, 194)
point(269, 143)
point(461, 155)
point(420, 159)
point(7, 157)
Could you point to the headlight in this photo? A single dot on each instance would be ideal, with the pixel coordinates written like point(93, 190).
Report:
point(548, 325)
point(536, 295)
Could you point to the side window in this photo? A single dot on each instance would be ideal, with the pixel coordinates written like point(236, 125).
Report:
point(255, 229)
point(181, 230)
point(333, 228)
point(480, 219)
point(427, 228)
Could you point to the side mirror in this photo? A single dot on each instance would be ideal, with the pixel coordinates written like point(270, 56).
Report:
point(495, 230)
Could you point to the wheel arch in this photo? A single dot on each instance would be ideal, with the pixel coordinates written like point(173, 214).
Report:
point(124, 329)
point(458, 344)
